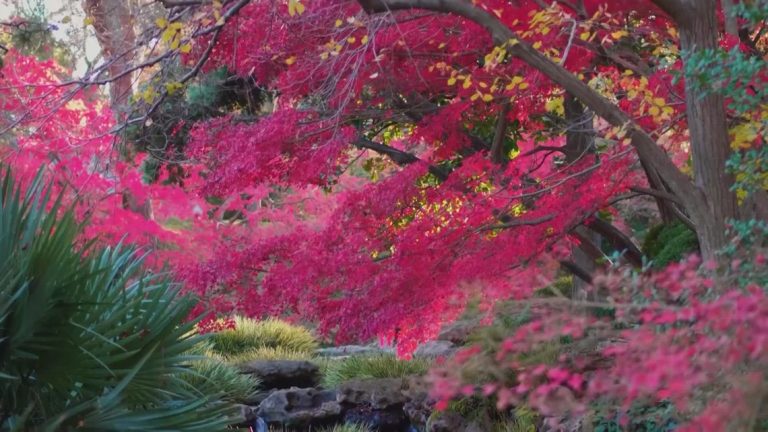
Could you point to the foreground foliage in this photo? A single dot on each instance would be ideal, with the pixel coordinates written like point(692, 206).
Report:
point(89, 340)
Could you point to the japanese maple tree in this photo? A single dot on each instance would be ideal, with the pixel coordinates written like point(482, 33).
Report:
point(420, 154)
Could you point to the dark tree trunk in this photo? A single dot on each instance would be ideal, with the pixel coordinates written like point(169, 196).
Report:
point(698, 28)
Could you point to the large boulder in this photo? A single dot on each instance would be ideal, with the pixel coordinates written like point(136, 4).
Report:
point(350, 350)
point(434, 349)
point(379, 393)
point(300, 408)
point(386, 420)
point(281, 374)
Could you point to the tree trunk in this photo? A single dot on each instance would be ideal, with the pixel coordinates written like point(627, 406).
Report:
point(113, 24)
point(708, 132)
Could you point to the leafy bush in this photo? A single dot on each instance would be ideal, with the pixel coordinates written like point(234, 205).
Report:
point(376, 366)
point(669, 243)
point(89, 340)
point(212, 374)
point(483, 412)
point(249, 335)
point(658, 418)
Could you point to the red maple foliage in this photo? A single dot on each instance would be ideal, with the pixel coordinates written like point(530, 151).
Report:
point(482, 185)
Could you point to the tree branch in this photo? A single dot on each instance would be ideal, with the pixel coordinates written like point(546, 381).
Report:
point(646, 146)
point(618, 239)
point(398, 156)
point(517, 223)
point(577, 271)
point(497, 146)
point(656, 193)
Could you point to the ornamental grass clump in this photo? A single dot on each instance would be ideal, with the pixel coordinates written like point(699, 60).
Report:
point(376, 366)
point(250, 335)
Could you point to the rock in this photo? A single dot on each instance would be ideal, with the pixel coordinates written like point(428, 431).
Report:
point(454, 422)
point(247, 416)
point(458, 331)
point(448, 422)
point(255, 398)
point(434, 349)
point(379, 394)
point(390, 420)
point(349, 350)
point(281, 374)
point(418, 409)
point(296, 407)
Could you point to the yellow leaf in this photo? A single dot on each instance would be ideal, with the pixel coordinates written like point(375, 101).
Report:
point(290, 60)
point(364, 40)
point(487, 97)
point(659, 102)
point(467, 83)
point(338, 23)
point(324, 55)
point(474, 97)
point(161, 22)
point(537, 45)
point(351, 39)
point(167, 35)
point(186, 48)
point(175, 43)
point(654, 111)
point(672, 32)
point(295, 7)
point(619, 34)
point(523, 86)
point(483, 85)
point(584, 36)
point(452, 81)
point(173, 87)
point(87, 21)
point(556, 106)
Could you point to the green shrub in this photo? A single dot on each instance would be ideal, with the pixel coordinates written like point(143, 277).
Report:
point(89, 340)
point(249, 335)
point(336, 372)
point(524, 420)
point(213, 374)
point(661, 417)
point(665, 244)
